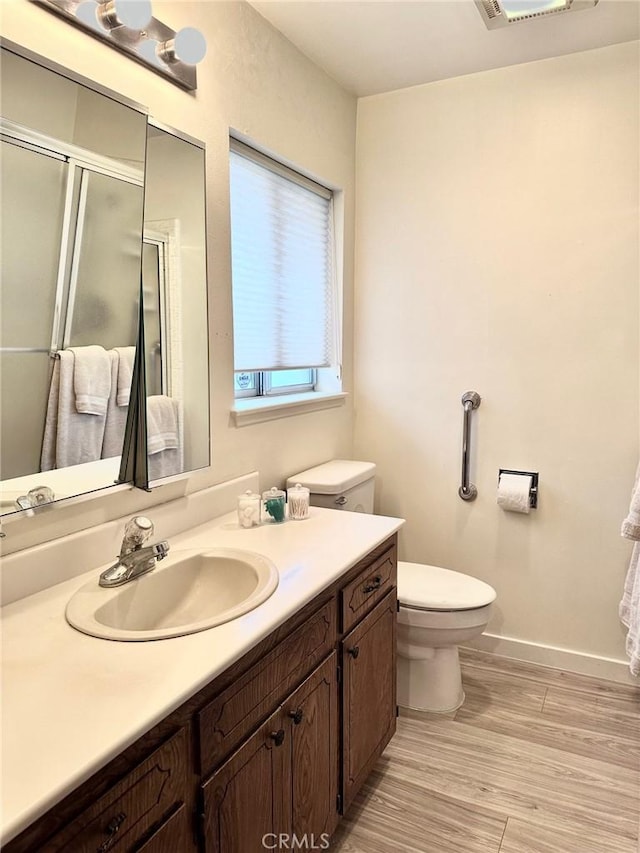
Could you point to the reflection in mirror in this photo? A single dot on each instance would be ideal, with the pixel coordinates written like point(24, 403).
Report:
point(72, 197)
point(175, 304)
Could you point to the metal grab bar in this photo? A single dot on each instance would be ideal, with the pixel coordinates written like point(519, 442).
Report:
point(470, 400)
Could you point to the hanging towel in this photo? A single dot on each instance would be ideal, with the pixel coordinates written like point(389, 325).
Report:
point(91, 379)
point(631, 524)
point(70, 437)
point(126, 356)
point(48, 455)
point(116, 417)
point(164, 436)
point(629, 610)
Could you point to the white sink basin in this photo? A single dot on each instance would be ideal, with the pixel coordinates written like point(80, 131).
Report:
point(189, 591)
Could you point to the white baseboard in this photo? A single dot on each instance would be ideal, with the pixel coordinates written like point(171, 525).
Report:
point(567, 659)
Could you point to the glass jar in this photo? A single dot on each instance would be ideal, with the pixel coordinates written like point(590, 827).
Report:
point(249, 509)
point(298, 501)
point(273, 503)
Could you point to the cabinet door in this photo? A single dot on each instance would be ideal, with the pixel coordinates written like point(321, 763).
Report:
point(245, 802)
point(312, 714)
point(369, 693)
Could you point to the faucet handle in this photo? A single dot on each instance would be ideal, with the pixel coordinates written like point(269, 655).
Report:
point(41, 495)
point(136, 532)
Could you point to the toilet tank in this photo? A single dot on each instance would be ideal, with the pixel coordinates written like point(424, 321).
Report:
point(339, 484)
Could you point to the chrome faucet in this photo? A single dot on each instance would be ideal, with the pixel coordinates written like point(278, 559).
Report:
point(134, 560)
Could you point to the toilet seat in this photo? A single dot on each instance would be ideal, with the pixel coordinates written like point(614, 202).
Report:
point(424, 587)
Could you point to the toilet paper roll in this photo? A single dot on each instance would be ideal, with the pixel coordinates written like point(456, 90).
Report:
point(513, 492)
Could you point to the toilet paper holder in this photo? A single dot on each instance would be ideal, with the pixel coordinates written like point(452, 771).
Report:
point(533, 490)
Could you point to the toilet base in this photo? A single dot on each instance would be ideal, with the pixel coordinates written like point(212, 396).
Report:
point(432, 682)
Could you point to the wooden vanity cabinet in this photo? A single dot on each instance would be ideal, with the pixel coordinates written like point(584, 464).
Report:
point(144, 810)
point(369, 693)
point(278, 743)
point(282, 780)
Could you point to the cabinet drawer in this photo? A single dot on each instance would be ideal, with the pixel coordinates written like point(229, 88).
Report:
point(369, 587)
point(174, 836)
point(122, 816)
point(225, 721)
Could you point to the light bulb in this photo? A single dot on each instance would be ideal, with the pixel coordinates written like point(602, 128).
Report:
point(86, 12)
point(134, 14)
point(188, 45)
point(147, 50)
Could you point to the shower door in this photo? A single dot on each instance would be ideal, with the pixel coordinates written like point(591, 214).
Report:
point(71, 248)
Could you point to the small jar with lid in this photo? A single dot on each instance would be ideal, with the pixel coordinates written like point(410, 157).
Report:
point(249, 509)
point(273, 503)
point(298, 500)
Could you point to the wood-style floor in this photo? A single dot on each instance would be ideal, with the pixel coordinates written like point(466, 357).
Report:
point(537, 760)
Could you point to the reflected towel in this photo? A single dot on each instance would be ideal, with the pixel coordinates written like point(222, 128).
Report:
point(164, 436)
point(70, 437)
point(91, 379)
point(162, 424)
point(629, 610)
point(126, 356)
point(116, 418)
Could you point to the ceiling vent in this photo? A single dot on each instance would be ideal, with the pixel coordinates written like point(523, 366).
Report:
point(501, 13)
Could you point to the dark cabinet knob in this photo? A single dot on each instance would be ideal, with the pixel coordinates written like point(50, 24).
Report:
point(296, 716)
point(375, 584)
point(354, 652)
point(277, 737)
point(111, 829)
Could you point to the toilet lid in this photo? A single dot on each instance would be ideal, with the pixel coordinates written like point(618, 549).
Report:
point(432, 588)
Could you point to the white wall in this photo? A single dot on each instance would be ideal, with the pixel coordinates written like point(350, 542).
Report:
point(254, 81)
point(497, 251)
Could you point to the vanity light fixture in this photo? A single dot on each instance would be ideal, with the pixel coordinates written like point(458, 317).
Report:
point(129, 26)
point(501, 13)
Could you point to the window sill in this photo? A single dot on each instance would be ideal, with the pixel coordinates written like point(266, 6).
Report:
point(255, 410)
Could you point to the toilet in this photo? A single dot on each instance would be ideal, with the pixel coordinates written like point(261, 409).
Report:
point(439, 608)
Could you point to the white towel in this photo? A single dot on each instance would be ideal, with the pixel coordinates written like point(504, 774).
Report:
point(70, 437)
point(164, 437)
point(126, 356)
point(48, 455)
point(162, 424)
point(116, 418)
point(91, 379)
point(631, 524)
point(629, 610)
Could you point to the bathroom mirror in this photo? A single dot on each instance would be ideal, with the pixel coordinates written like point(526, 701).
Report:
point(175, 304)
point(72, 173)
point(86, 212)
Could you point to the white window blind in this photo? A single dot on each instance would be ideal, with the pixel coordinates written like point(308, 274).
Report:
point(282, 261)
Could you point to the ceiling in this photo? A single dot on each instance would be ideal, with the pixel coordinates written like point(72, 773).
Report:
point(381, 45)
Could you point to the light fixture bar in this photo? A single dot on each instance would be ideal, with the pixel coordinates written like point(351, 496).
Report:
point(147, 46)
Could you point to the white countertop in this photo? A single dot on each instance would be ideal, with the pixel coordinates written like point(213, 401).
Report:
point(71, 702)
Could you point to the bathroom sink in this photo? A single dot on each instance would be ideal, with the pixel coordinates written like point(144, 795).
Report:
point(190, 591)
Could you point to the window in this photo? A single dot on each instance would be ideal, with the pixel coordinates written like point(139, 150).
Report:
point(282, 253)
